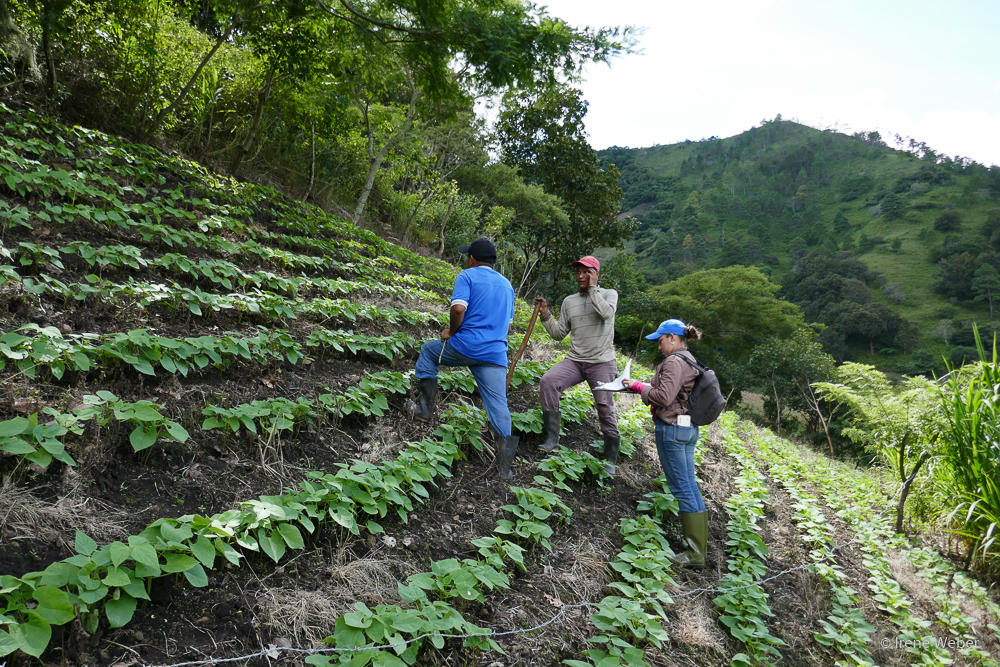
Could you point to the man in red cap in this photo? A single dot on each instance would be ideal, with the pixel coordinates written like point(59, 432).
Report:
point(589, 316)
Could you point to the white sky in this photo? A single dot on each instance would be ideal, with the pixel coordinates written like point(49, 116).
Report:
point(929, 69)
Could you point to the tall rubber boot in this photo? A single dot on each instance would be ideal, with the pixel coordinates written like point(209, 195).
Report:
point(695, 527)
point(423, 410)
point(552, 421)
point(611, 446)
point(507, 457)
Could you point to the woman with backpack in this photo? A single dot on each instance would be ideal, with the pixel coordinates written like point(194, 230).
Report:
point(676, 437)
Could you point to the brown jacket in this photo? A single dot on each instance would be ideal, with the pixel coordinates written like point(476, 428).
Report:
point(670, 388)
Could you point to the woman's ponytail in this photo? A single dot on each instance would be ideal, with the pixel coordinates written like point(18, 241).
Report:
point(691, 334)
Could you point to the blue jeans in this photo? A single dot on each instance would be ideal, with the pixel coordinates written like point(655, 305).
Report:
point(675, 447)
point(491, 379)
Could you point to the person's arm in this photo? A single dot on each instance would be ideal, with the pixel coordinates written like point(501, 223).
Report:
point(671, 381)
point(455, 319)
point(552, 325)
point(459, 302)
point(605, 301)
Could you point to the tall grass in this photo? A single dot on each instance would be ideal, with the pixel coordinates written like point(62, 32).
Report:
point(970, 440)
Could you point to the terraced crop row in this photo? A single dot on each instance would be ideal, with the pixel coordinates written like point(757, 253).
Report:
point(743, 601)
point(845, 630)
point(852, 497)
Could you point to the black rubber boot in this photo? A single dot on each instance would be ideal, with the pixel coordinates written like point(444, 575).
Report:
point(612, 443)
point(507, 457)
point(553, 422)
point(426, 398)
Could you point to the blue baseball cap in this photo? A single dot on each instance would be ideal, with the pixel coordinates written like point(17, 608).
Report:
point(675, 327)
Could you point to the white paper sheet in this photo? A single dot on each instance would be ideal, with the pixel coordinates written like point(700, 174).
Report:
point(616, 384)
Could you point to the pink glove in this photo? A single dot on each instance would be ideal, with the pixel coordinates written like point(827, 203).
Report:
point(636, 386)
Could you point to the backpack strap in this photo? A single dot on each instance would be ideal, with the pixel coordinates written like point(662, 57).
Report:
point(693, 364)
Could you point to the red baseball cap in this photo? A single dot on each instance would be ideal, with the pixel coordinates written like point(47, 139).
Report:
point(588, 261)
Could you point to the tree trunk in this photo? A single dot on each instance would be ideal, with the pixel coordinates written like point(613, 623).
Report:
point(905, 491)
point(376, 160)
point(50, 65)
point(15, 44)
point(263, 95)
point(777, 406)
point(312, 161)
point(447, 214)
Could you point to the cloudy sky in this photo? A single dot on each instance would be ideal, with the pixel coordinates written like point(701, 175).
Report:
point(920, 68)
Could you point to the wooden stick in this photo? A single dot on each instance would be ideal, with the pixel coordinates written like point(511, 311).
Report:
point(524, 344)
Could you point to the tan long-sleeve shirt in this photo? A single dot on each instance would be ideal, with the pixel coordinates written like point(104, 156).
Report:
point(590, 320)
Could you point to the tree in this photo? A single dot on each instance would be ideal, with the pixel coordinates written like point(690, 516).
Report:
point(542, 135)
point(948, 221)
point(892, 206)
point(893, 422)
point(735, 307)
point(15, 45)
point(688, 246)
point(957, 274)
point(986, 285)
point(789, 366)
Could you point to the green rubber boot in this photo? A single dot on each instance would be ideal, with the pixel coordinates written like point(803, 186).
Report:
point(695, 527)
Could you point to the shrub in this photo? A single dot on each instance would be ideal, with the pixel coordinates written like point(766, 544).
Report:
point(948, 221)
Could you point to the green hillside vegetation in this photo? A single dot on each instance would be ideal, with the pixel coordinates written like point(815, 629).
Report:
point(226, 228)
point(904, 228)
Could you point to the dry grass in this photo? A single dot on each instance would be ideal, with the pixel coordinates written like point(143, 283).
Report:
point(23, 516)
point(590, 572)
point(696, 626)
point(309, 615)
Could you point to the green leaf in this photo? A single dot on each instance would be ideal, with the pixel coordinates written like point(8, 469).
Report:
point(116, 577)
point(292, 536)
point(178, 562)
point(16, 446)
point(146, 555)
point(8, 644)
point(143, 438)
point(84, 544)
point(204, 550)
point(119, 553)
point(15, 426)
point(54, 605)
point(120, 611)
point(271, 544)
point(197, 576)
point(37, 633)
point(176, 432)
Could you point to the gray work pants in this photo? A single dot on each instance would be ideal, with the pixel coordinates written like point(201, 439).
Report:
point(567, 373)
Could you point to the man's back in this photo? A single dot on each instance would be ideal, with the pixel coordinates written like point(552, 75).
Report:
point(488, 298)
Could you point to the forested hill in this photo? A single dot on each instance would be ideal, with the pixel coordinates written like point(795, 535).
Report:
point(884, 240)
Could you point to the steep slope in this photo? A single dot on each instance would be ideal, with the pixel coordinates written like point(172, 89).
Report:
point(204, 457)
point(779, 192)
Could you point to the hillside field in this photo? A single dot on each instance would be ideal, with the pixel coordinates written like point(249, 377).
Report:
point(204, 456)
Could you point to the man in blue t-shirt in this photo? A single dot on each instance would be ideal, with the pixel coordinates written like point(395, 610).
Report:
point(482, 309)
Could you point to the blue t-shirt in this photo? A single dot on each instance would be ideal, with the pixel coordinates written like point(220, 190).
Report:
point(489, 307)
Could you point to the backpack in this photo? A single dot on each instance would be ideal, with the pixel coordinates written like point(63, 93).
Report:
point(706, 401)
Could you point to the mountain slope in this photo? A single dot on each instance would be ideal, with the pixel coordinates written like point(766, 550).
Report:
point(777, 193)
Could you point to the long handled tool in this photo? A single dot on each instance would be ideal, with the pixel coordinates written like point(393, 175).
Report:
point(524, 344)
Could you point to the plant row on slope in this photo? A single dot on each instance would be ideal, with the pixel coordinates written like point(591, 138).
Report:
point(851, 496)
point(743, 601)
point(845, 630)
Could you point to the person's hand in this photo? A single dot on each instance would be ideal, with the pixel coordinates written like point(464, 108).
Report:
point(445, 334)
point(544, 310)
point(591, 278)
point(634, 386)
